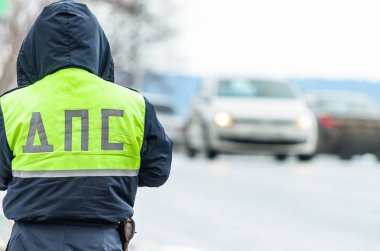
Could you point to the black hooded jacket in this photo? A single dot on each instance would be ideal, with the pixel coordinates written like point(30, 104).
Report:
point(67, 35)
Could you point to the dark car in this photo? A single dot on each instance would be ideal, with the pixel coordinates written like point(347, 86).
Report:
point(348, 123)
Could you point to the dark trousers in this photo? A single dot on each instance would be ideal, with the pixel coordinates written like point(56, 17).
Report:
point(50, 237)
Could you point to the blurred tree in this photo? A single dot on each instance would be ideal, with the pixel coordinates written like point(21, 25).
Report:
point(131, 25)
point(14, 23)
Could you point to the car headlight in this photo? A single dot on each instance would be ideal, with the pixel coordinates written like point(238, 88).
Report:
point(304, 122)
point(223, 119)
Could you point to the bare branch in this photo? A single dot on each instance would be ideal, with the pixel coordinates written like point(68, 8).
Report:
point(134, 26)
point(129, 7)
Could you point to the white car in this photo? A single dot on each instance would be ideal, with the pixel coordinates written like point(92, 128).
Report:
point(241, 115)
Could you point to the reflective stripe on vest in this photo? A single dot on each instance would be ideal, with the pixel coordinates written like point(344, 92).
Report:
point(72, 123)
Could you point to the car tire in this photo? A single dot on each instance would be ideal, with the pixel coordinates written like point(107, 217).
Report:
point(211, 154)
point(189, 149)
point(305, 157)
point(281, 157)
point(190, 152)
point(345, 156)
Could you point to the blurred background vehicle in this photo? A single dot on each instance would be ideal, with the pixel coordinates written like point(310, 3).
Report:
point(173, 122)
point(348, 122)
point(242, 115)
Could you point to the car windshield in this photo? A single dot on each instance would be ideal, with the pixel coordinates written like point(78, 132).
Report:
point(350, 107)
point(254, 89)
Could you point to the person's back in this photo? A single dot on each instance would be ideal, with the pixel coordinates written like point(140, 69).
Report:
point(74, 146)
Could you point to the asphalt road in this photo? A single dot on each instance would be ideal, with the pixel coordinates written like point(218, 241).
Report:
point(255, 203)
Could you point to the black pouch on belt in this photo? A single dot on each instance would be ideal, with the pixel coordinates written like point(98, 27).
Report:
point(126, 231)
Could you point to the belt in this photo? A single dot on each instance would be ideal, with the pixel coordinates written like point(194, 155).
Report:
point(72, 223)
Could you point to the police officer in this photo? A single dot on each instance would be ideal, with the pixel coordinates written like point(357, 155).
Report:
point(74, 146)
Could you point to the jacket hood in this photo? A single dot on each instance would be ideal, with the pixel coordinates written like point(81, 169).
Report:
point(66, 34)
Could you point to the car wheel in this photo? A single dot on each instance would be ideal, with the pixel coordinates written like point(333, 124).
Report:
point(189, 147)
point(209, 151)
point(305, 157)
point(211, 154)
point(190, 152)
point(281, 157)
point(345, 156)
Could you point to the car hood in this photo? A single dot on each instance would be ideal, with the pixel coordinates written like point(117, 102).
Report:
point(262, 108)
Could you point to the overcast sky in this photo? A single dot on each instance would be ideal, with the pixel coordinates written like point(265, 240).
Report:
point(281, 38)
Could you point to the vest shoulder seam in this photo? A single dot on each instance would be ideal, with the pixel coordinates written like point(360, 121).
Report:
point(12, 90)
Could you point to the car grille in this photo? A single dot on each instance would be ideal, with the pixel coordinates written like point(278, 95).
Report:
point(260, 122)
point(262, 141)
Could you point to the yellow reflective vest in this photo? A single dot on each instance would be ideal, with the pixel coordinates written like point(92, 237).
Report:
point(73, 123)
